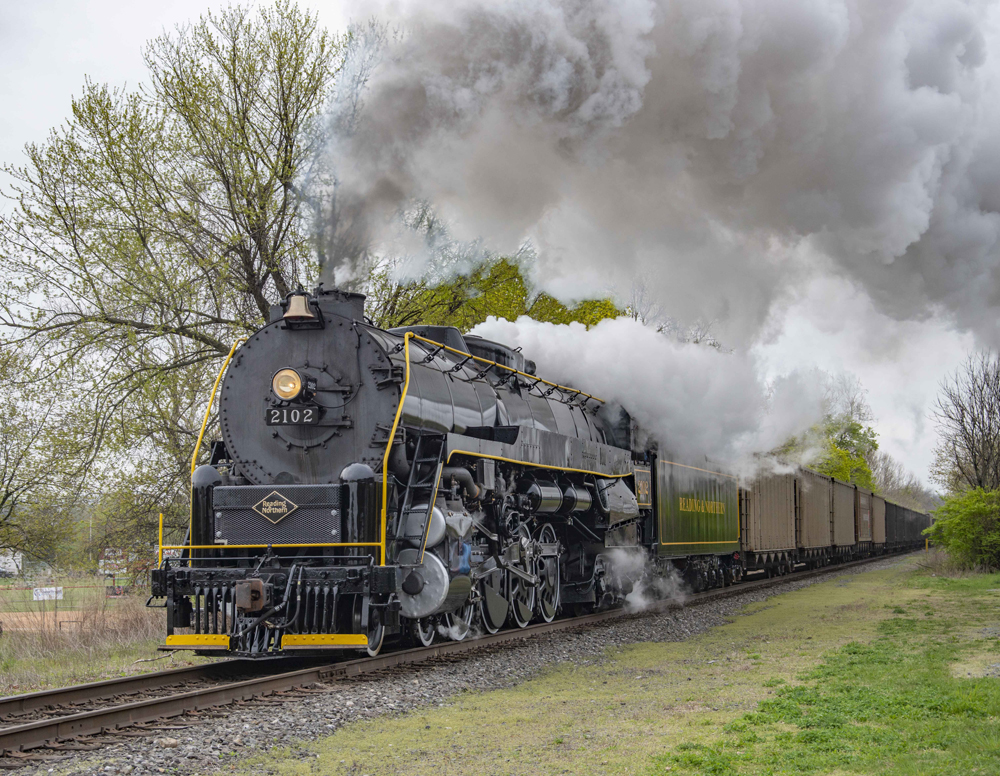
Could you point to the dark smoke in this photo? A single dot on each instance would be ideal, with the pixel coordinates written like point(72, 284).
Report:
point(722, 149)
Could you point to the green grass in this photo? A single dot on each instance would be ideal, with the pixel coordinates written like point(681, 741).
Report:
point(882, 672)
point(890, 706)
point(106, 639)
point(652, 708)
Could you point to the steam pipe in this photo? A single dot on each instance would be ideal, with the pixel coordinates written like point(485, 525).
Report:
point(600, 496)
point(464, 478)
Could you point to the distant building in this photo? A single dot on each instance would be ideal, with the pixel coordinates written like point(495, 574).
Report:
point(11, 563)
point(129, 564)
point(113, 561)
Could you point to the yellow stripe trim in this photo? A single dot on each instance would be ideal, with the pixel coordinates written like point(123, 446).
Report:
point(197, 640)
point(261, 546)
point(324, 640)
point(534, 378)
point(538, 465)
point(427, 525)
point(707, 471)
point(399, 412)
point(392, 436)
point(676, 544)
point(211, 400)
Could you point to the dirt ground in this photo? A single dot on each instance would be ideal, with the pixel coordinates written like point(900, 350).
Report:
point(36, 621)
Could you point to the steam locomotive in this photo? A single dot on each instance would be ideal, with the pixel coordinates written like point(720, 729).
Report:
point(374, 487)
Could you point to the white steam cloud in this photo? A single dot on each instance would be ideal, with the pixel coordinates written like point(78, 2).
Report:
point(650, 585)
point(693, 400)
point(721, 149)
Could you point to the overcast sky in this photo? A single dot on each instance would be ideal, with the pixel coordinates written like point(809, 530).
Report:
point(48, 47)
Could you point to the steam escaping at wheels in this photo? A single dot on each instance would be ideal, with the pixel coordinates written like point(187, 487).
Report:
point(398, 488)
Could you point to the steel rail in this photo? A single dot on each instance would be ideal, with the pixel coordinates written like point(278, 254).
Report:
point(36, 734)
point(13, 705)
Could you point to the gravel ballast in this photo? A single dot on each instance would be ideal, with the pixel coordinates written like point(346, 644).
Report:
point(233, 733)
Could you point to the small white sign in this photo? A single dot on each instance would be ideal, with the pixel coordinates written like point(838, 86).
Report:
point(47, 594)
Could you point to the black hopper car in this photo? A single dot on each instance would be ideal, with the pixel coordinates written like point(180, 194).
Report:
point(375, 487)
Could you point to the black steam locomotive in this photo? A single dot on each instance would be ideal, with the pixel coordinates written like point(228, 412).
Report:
point(399, 485)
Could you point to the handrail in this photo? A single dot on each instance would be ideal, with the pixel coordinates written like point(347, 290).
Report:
point(211, 401)
point(392, 435)
point(537, 379)
point(402, 398)
point(392, 432)
point(204, 425)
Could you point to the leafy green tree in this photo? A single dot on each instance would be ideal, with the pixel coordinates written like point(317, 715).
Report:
point(848, 446)
point(842, 464)
point(495, 287)
point(38, 465)
point(967, 526)
point(842, 444)
point(157, 226)
point(460, 284)
point(154, 229)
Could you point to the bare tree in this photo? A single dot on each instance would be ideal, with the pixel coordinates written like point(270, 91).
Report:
point(968, 417)
point(641, 305)
point(848, 398)
point(895, 483)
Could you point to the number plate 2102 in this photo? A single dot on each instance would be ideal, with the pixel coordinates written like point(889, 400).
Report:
point(291, 416)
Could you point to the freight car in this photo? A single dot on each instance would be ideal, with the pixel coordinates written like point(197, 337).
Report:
point(809, 518)
point(376, 486)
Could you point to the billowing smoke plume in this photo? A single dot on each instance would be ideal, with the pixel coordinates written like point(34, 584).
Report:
point(722, 149)
point(693, 400)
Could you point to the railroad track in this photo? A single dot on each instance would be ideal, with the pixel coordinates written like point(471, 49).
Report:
point(61, 719)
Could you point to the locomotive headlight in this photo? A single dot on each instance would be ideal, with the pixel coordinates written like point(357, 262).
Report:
point(286, 384)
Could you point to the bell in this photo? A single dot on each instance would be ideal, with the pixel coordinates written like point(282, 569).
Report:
point(298, 308)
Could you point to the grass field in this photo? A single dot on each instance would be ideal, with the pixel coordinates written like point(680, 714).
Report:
point(887, 672)
point(77, 594)
point(93, 638)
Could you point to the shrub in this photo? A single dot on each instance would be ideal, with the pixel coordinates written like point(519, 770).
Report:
point(967, 526)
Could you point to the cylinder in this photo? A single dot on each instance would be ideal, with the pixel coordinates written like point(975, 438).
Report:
point(543, 497)
point(426, 587)
point(576, 499)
